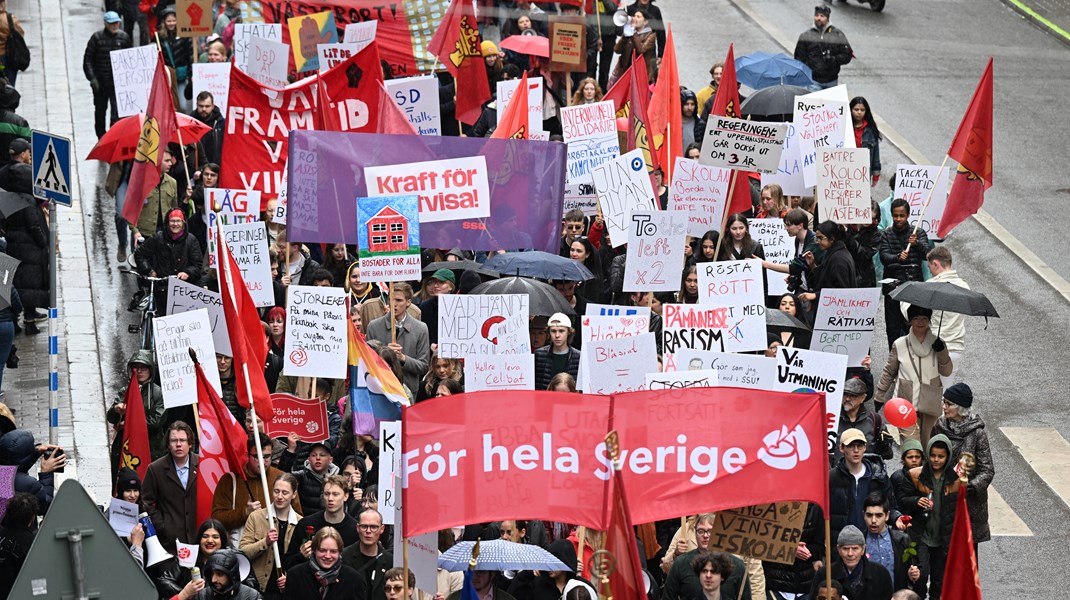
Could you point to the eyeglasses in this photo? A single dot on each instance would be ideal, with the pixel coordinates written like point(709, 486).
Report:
point(704, 532)
point(946, 403)
point(820, 237)
point(394, 588)
point(368, 527)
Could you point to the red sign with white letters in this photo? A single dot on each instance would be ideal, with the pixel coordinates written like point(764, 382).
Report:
point(306, 418)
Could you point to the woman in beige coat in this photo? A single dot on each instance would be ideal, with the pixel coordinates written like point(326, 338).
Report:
point(257, 537)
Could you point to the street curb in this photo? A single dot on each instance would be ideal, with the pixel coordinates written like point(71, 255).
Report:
point(1039, 20)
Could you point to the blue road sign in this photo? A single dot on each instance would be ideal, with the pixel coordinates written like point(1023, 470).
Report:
point(51, 167)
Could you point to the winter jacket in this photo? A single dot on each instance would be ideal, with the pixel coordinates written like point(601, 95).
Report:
point(212, 142)
point(226, 561)
point(796, 578)
point(544, 366)
point(152, 399)
point(968, 435)
point(922, 480)
point(96, 63)
point(15, 545)
point(908, 362)
point(846, 494)
point(836, 271)
point(169, 578)
point(27, 240)
point(17, 449)
point(641, 43)
point(871, 424)
point(369, 569)
point(255, 546)
point(892, 242)
point(310, 487)
point(169, 256)
point(682, 583)
point(863, 247)
point(301, 584)
point(177, 54)
point(654, 19)
point(871, 141)
point(12, 125)
point(153, 216)
point(17, 177)
point(824, 51)
point(231, 496)
point(874, 583)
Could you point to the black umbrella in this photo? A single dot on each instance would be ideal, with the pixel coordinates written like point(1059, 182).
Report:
point(460, 265)
point(942, 295)
point(780, 320)
point(543, 298)
point(8, 264)
point(778, 101)
point(13, 202)
point(536, 263)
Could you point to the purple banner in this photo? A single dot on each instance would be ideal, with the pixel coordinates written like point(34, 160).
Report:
point(526, 181)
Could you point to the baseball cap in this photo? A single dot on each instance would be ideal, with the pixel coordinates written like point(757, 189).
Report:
point(850, 436)
point(18, 146)
point(855, 387)
point(445, 275)
point(112, 17)
point(559, 320)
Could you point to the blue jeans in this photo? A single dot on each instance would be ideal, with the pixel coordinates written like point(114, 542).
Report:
point(11, 74)
point(7, 340)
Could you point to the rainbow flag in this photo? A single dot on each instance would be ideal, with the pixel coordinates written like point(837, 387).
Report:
point(375, 394)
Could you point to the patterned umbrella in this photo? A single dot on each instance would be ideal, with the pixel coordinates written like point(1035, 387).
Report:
point(7, 488)
point(501, 555)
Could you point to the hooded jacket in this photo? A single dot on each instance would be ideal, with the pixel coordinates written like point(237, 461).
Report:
point(922, 478)
point(12, 125)
point(225, 561)
point(968, 435)
point(17, 449)
point(152, 397)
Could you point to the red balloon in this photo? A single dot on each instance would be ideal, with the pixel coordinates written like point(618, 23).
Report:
point(622, 124)
point(899, 412)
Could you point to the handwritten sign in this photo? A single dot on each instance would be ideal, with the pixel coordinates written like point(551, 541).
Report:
point(248, 242)
point(808, 371)
point(316, 344)
point(499, 372)
point(767, 532)
point(737, 285)
point(331, 55)
point(388, 239)
point(656, 253)
point(213, 78)
point(843, 185)
point(267, 61)
point(623, 187)
point(590, 130)
point(607, 327)
point(306, 33)
point(307, 418)
point(449, 190)
point(173, 336)
point(505, 91)
point(844, 322)
point(472, 325)
point(681, 380)
point(621, 364)
point(389, 471)
point(226, 207)
point(612, 310)
point(750, 371)
point(184, 297)
point(132, 71)
point(301, 181)
point(819, 124)
point(779, 249)
point(245, 32)
point(417, 97)
point(789, 174)
point(746, 145)
point(700, 191)
point(362, 34)
point(581, 196)
point(914, 183)
point(194, 17)
point(707, 327)
point(568, 43)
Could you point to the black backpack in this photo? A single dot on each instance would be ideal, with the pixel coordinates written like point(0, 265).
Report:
point(18, 55)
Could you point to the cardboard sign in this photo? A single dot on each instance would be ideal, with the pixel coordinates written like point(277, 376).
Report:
point(248, 242)
point(843, 186)
point(449, 190)
point(568, 43)
point(362, 34)
point(122, 516)
point(819, 124)
point(245, 32)
point(417, 97)
point(132, 71)
point(597, 328)
point(779, 249)
point(766, 532)
point(750, 371)
point(305, 417)
point(505, 91)
point(844, 322)
point(621, 364)
point(737, 285)
point(789, 174)
point(590, 131)
point(473, 325)
point(681, 380)
point(915, 183)
point(267, 61)
point(316, 343)
point(700, 191)
point(184, 297)
point(388, 241)
point(808, 371)
point(213, 78)
point(656, 254)
point(225, 206)
point(581, 196)
point(623, 187)
point(499, 372)
point(306, 33)
point(746, 145)
point(331, 55)
point(173, 336)
point(194, 18)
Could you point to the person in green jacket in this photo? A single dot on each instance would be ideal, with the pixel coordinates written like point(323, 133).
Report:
point(143, 366)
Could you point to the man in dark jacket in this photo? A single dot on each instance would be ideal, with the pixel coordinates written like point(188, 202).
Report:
point(824, 49)
point(368, 557)
point(682, 582)
point(97, 67)
point(17, 449)
point(902, 250)
point(169, 492)
point(143, 366)
point(558, 356)
point(860, 578)
point(223, 579)
point(17, 175)
point(208, 113)
point(12, 125)
point(851, 480)
point(885, 545)
point(171, 252)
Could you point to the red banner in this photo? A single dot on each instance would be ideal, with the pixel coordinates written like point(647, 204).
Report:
point(306, 418)
point(540, 455)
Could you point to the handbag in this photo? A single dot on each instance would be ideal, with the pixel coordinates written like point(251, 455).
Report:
point(18, 55)
point(13, 358)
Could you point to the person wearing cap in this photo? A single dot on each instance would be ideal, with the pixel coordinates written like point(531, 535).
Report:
point(860, 579)
point(13, 126)
point(855, 414)
point(442, 283)
point(96, 64)
point(162, 198)
point(824, 49)
point(851, 479)
point(558, 356)
point(235, 500)
point(171, 252)
point(965, 430)
point(143, 367)
point(317, 467)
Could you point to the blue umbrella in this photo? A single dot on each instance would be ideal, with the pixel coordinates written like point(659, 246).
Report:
point(501, 555)
point(760, 70)
point(539, 264)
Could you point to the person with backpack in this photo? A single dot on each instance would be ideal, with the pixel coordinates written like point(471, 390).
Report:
point(14, 56)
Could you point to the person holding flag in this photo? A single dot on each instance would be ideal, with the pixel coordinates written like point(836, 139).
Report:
point(151, 161)
point(457, 45)
point(139, 418)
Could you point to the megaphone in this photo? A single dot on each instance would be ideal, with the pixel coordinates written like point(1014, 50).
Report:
point(620, 18)
point(154, 551)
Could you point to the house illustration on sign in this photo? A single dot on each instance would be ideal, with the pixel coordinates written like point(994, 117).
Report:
point(388, 231)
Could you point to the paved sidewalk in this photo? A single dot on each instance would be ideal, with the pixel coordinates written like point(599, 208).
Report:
point(1052, 16)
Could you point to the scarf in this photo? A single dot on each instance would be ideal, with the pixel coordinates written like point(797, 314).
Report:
point(922, 357)
point(325, 577)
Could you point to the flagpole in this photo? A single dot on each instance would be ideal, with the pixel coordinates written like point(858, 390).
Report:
point(393, 317)
point(828, 557)
point(404, 568)
point(928, 199)
point(727, 205)
point(178, 129)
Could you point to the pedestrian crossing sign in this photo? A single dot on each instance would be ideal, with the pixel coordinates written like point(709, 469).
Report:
point(51, 167)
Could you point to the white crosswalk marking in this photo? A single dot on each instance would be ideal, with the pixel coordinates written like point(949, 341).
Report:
point(1001, 517)
point(1047, 453)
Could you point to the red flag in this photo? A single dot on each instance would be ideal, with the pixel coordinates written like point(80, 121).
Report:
point(348, 93)
point(456, 43)
point(726, 101)
point(514, 123)
point(155, 135)
point(135, 453)
point(222, 443)
point(626, 581)
point(638, 131)
point(960, 575)
point(391, 119)
point(972, 148)
point(248, 343)
point(666, 118)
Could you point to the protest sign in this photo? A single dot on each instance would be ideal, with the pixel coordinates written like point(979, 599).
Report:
point(766, 532)
point(245, 32)
point(789, 175)
point(818, 124)
point(184, 297)
point(608, 327)
point(751, 371)
point(449, 190)
point(362, 34)
point(808, 371)
point(738, 285)
point(470, 325)
point(173, 336)
point(505, 91)
point(282, 201)
point(225, 206)
point(305, 417)
point(132, 71)
point(708, 327)
point(568, 43)
point(612, 310)
point(266, 62)
point(194, 18)
point(332, 55)
point(582, 197)
point(621, 363)
point(656, 253)
point(739, 144)
point(843, 185)
point(417, 97)
point(306, 33)
point(388, 240)
point(681, 380)
point(590, 131)
point(248, 242)
point(700, 191)
point(844, 322)
point(389, 469)
point(213, 78)
point(513, 334)
point(623, 187)
point(419, 553)
point(122, 516)
point(316, 326)
point(914, 183)
point(778, 247)
point(499, 372)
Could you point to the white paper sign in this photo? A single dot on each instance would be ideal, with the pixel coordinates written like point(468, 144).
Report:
point(267, 62)
point(701, 191)
point(248, 242)
point(844, 322)
point(779, 249)
point(122, 516)
point(731, 283)
point(417, 97)
point(581, 196)
point(331, 55)
point(132, 71)
point(621, 364)
point(282, 201)
point(749, 371)
point(470, 324)
point(597, 328)
point(623, 187)
point(389, 470)
point(739, 144)
point(789, 174)
point(818, 124)
point(505, 91)
point(245, 32)
point(224, 206)
point(681, 380)
point(708, 327)
point(656, 252)
point(612, 310)
point(843, 186)
point(807, 371)
point(590, 130)
point(449, 190)
point(213, 78)
point(362, 34)
point(316, 330)
point(499, 372)
point(913, 184)
point(184, 297)
point(173, 336)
